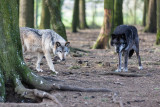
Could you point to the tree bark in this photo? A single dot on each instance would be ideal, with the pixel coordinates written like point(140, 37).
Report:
point(75, 18)
point(82, 14)
point(45, 16)
point(56, 22)
point(145, 11)
point(26, 14)
point(118, 15)
point(103, 38)
point(158, 23)
point(151, 20)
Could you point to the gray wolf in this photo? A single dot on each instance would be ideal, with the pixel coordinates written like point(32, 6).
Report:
point(125, 40)
point(44, 42)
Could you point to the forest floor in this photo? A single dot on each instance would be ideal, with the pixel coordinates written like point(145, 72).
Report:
point(89, 70)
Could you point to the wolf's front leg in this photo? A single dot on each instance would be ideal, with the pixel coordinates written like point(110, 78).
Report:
point(120, 60)
point(126, 61)
point(49, 61)
point(39, 58)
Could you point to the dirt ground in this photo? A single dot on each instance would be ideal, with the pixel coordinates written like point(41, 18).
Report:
point(88, 70)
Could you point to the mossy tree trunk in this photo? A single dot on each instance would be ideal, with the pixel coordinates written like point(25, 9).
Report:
point(55, 16)
point(152, 19)
point(118, 15)
point(26, 13)
point(12, 66)
point(158, 23)
point(145, 11)
point(75, 18)
point(82, 14)
point(45, 16)
point(103, 38)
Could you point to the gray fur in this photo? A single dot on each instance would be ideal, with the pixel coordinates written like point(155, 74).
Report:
point(43, 42)
point(126, 37)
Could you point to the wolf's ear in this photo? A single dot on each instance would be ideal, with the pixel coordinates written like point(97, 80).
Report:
point(67, 44)
point(58, 44)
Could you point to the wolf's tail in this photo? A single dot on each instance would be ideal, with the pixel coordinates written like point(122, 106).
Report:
point(131, 53)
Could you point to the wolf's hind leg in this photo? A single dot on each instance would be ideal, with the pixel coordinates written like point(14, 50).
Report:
point(138, 57)
point(39, 58)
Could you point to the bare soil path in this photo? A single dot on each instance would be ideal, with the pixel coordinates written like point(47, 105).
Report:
point(88, 70)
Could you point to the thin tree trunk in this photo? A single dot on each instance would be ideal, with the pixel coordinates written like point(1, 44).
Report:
point(135, 12)
point(45, 17)
point(151, 20)
point(158, 23)
point(26, 14)
point(75, 18)
point(118, 15)
point(82, 15)
point(103, 38)
point(56, 22)
point(145, 10)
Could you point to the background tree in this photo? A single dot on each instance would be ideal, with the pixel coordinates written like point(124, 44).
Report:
point(151, 20)
point(55, 15)
point(12, 66)
point(118, 15)
point(135, 12)
point(145, 11)
point(103, 38)
point(158, 23)
point(26, 14)
point(82, 14)
point(75, 18)
point(45, 16)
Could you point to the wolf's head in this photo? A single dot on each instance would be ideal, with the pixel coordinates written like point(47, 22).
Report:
point(62, 50)
point(119, 42)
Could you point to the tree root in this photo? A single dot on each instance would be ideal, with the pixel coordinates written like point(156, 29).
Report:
point(124, 74)
point(34, 93)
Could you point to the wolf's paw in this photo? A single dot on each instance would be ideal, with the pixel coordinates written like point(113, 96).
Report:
point(39, 70)
point(125, 69)
point(118, 70)
point(53, 70)
point(140, 67)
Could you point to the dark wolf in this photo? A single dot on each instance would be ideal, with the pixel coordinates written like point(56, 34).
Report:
point(125, 40)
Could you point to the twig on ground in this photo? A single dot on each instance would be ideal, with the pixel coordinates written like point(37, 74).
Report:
point(124, 74)
point(77, 49)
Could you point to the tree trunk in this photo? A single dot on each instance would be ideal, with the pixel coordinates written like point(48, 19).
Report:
point(118, 15)
point(12, 65)
point(103, 38)
point(145, 11)
point(56, 22)
point(75, 18)
point(82, 14)
point(151, 20)
point(158, 23)
point(45, 17)
point(26, 14)
point(135, 12)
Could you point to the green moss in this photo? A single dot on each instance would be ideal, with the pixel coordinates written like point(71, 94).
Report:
point(158, 37)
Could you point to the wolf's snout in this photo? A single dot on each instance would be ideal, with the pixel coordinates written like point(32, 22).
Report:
point(63, 59)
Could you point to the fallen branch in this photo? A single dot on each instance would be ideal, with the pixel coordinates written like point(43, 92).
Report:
point(77, 49)
point(124, 74)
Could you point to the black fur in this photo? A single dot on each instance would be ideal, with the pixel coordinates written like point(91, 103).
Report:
point(131, 52)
